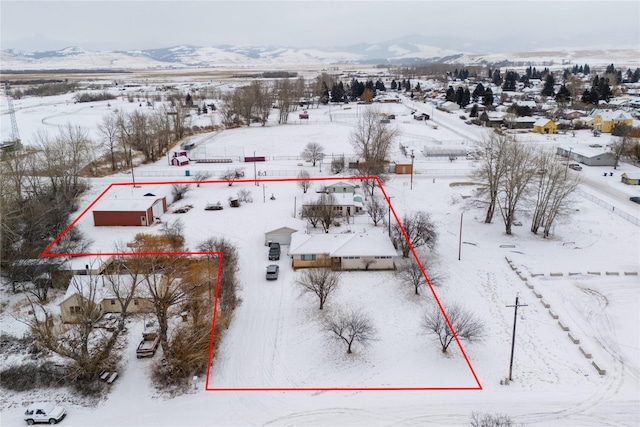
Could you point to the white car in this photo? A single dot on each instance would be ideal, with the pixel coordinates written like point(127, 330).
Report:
point(44, 413)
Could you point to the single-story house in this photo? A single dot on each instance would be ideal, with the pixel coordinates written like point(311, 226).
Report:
point(142, 211)
point(356, 251)
point(545, 126)
point(449, 106)
point(587, 155)
point(626, 179)
point(99, 294)
point(525, 122)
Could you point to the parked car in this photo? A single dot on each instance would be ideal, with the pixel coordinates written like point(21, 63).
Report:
point(272, 272)
point(274, 251)
point(635, 199)
point(575, 167)
point(595, 145)
point(44, 413)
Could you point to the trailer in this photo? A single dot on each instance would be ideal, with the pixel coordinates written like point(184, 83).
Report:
point(148, 345)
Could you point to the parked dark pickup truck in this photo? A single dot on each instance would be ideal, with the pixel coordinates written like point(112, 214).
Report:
point(274, 251)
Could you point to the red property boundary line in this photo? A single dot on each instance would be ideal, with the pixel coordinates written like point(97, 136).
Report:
point(46, 253)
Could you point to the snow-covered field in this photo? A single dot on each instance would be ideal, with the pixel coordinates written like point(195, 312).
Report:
point(275, 340)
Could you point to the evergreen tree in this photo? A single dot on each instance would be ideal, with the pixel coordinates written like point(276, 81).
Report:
point(636, 76)
point(451, 96)
point(497, 80)
point(586, 97)
point(587, 69)
point(459, 95)
point(487, 98)
point(478, 92)
point(510, 79)
point(394, 85)
point(549, 82)
point(474, 111)
point(610, 69)
point(604, 90)
point(408, 85)
point(188, 101)
point(418, 88)
point(466, 97)
point(380, 86)
point(563, 94)
point(324, 94)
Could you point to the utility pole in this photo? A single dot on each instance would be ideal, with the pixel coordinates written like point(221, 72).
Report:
point(460, 238)
point(513, 337)
point(412, 157)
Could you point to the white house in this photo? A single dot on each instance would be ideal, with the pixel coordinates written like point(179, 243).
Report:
point(372, 250)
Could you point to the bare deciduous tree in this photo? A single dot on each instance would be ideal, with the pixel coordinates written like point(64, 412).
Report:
point(178, 191)
point(321, 282)
point(410, 273)
point(490, 420)
point(351, 327)
point(108, 130)
point(465, 325)
point(244, 196)
point(285, 97)
point(372, 139)
point(420, 231)
point(553, 189)
point(491, 167)
point(200, 176)
point(313, 152)
point(376, 209)
point(228, 264)
point(303, 182)
point(514, 183)
point(232, 175)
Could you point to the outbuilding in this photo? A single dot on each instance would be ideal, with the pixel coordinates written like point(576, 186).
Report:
point(129, 212)
point(544, 126)
point(281, 232)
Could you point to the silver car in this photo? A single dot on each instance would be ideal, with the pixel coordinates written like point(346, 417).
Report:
point(272, 272)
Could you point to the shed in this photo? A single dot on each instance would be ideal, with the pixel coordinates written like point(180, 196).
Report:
point(403, 169)
point(129, 212)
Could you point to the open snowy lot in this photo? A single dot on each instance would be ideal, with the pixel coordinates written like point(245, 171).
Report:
point(586, 273)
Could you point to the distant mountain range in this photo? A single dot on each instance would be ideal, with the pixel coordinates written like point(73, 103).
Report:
point(239, 56)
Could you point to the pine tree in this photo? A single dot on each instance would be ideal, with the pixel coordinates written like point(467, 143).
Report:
point(563, 94)
point(604, 90)
point(497, 80)
point(487, 98)
point(549, 82)
point(474, 111)
point(459, 95)
point(451, 95)
point(394, 85)
point(466, 97)
point(324, 95)
point(478, 92)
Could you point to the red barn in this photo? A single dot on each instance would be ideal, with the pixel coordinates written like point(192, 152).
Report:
point(129, 212)
point(179, 158)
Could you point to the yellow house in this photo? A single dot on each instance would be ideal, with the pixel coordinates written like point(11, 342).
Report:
point(605, 120)
point(96, 295)
point(545, 126)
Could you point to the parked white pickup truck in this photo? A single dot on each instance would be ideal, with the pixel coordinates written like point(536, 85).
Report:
point(44, 413)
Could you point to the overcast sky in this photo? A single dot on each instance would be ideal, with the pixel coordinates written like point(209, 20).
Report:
point(473, 26)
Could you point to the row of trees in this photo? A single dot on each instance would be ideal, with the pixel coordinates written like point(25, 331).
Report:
point(39, 191)
point(513, 173)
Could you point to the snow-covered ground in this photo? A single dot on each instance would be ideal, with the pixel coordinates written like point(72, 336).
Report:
point(275, 340)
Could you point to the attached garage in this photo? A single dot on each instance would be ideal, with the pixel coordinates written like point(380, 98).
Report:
point(281, 231)
point(129, 212)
